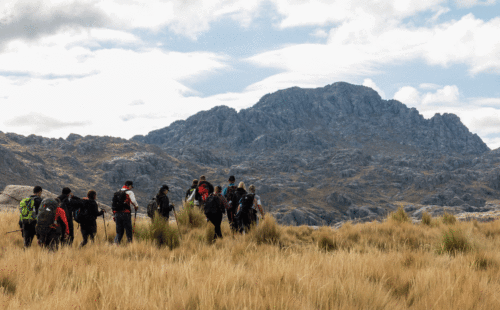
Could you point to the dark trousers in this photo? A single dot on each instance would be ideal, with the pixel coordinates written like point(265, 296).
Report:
point(87, 231)
point(29, 232)
point(244, 220)
point(216, 219)
point(71, 236)
point(123, 224)
point(230, 218)
point(50, 240)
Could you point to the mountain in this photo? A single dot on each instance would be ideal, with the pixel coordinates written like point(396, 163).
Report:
point(340, 115)
point(316, 156)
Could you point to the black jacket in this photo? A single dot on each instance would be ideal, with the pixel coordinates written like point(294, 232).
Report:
point(69, 206)
point(163, 205)
point(240, 192)
point(93, 210)
point(38, 201)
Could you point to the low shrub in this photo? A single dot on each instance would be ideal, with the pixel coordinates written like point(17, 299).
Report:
point(454, 241)
point(191, 216)
point(268, 231)
point(400, 216)
point(426, 218)
point(449, 218)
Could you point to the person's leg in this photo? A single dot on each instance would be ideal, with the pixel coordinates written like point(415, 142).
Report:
point(128, 226)
point(120, 229)
point(217, 221)
point(85, 235)
point(29, 233)
point(71, 227)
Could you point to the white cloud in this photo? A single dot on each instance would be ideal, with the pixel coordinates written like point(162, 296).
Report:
point(408, 95)
point(447, 95)
point(370, 83)
point(320, 33)
point(429, 86)
point(471, 3)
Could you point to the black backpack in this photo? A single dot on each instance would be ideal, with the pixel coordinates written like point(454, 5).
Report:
point(118, 204)
point(212, 205)
point(82, 214)
point(235, 199)
point(247, 202)
point(230, 195)
point(46, 219)
point(152, 207)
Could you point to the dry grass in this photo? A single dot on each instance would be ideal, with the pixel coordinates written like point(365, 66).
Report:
point(389, 265)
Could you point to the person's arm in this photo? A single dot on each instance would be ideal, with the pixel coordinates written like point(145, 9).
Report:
point(224, 202)
point(38, 201)
point(61, 218)
point(131, 196)
point(256, 203)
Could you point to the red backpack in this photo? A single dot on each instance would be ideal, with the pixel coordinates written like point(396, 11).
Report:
point(203, 191)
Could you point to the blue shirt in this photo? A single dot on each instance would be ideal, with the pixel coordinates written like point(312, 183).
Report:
point(224, 192)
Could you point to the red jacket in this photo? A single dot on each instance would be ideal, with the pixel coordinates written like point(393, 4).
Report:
point(61, 215)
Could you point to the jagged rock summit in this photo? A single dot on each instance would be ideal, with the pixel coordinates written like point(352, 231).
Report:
point(340, 115)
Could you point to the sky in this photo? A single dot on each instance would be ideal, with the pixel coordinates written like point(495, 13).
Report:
point(126, 67)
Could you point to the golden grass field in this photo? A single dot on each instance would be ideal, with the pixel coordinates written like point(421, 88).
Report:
point(389, 265)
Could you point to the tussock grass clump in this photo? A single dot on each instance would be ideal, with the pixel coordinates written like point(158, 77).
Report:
point(426, 218)
point(327, 243)
point(454, 241)
point(7, 285)
point(449, 219)
point(400, 216)
point(160, 232)
point(210, 234)
point(268, 231)
point(191, 216)
point(483, 261)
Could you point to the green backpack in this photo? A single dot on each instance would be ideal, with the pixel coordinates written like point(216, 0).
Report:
point(27, 210)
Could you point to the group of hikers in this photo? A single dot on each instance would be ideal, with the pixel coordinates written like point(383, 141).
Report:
point(51, 219)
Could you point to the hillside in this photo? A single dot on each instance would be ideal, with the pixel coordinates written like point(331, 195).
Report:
point(317, 157)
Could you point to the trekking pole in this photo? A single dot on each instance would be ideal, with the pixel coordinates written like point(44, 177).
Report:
point(13, 231)
point(105, 234)
point(175, 214)
point(135, 218)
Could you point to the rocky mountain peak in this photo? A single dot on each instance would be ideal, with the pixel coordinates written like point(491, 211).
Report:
point(339, 114)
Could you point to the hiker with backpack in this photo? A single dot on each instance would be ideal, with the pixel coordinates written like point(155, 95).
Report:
point(27, 218)
point(234, 202)
point(215, 206)
point(203, 190)
point(190, 192)
point(69, 203)
point(229, 193)
point(161, 204)
point(86, 216)
point(123, 200)
point(256, 205)
point(51, 224)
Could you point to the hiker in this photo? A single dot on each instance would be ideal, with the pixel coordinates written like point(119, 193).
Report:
point(88, 224)
point(29, 212)
point(164, 206)
point(256, 205)
point(51, 224)
point(190, 192)
point(229, 193)
point(203, 190)
point(235, 203)
point(215, 206)
point(69, 203)
point(123, 200)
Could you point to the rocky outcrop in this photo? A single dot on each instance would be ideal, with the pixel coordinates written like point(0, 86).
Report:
point(338, 115)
